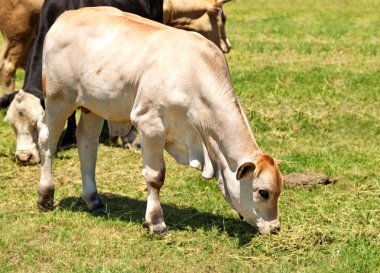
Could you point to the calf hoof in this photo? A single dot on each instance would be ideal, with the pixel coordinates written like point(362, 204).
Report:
point(45, 200)
point(95, 206)
point(99, 210)
point(160, 229)
point(131, 145)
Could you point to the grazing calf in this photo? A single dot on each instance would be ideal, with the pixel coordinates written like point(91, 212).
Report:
point(203, 16)
point(175, 87)
point(18, 21)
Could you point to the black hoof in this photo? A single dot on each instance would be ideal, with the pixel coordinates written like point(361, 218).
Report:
point(159, 229)
point(45, 206)
point(131, 145)
point(45, 200)
point(99, 210)
point(96, 206)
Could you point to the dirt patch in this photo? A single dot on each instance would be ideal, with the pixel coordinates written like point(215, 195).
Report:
point(306, 179)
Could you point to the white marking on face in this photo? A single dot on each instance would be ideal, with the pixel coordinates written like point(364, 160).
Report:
point(257, 199)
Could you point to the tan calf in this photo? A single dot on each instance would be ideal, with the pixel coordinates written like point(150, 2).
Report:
point(175, 87)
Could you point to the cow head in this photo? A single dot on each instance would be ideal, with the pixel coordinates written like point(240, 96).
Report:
point(203, 16)
point(23, 114)
point(255, 191)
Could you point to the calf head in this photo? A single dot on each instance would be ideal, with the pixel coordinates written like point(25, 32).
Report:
point(23, 114)
point(256, 192)
point(203, 16)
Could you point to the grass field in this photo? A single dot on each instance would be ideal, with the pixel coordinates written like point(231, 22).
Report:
point(308, 75)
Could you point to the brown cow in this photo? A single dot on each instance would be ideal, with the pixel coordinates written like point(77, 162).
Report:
point(18, 20)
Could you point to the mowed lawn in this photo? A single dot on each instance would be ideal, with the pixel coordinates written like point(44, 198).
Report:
point(308, 76)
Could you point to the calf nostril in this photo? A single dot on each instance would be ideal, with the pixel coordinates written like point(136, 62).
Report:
point(23, 157)
point(275, 230)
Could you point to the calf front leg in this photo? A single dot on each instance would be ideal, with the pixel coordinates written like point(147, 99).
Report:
point(152, 148)
point(50, 128)
point(87, 134)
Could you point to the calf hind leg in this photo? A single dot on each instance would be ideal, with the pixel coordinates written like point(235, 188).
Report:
point(88, 132)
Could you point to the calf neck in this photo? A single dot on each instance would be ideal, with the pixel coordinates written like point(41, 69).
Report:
point(175, 87)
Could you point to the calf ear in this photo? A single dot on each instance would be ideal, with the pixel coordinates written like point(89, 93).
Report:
point(216, 8)
point(213, 9)
point(245, 169)
point(221, 2)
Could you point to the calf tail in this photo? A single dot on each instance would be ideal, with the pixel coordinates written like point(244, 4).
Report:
point(6, 99)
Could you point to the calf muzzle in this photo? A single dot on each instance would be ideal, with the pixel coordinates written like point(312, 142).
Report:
point(26, 158)
point(269, 227)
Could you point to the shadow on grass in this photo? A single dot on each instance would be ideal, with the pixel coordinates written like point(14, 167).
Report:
point(133, 210)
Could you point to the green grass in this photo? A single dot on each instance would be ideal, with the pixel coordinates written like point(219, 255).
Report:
point(308, 75)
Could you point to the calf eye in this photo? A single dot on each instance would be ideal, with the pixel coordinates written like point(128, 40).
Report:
point(264, 194)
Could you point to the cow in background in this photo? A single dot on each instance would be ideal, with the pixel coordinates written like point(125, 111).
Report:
point(18, 21)
point(175, 87)
point(203, 16)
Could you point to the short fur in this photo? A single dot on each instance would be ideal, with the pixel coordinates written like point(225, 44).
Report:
point(174, 86)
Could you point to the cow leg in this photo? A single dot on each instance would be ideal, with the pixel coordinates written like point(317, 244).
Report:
point(49, 131)
point(11, 57)
point(152, 148)
point(69, 138)
point(2, 57)
point(88, 132)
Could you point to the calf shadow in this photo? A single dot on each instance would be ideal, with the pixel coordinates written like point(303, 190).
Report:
point(177, 218)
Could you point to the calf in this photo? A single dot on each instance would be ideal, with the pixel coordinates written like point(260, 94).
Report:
point(203, 16)
point(18, 21)
point(175, 87)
